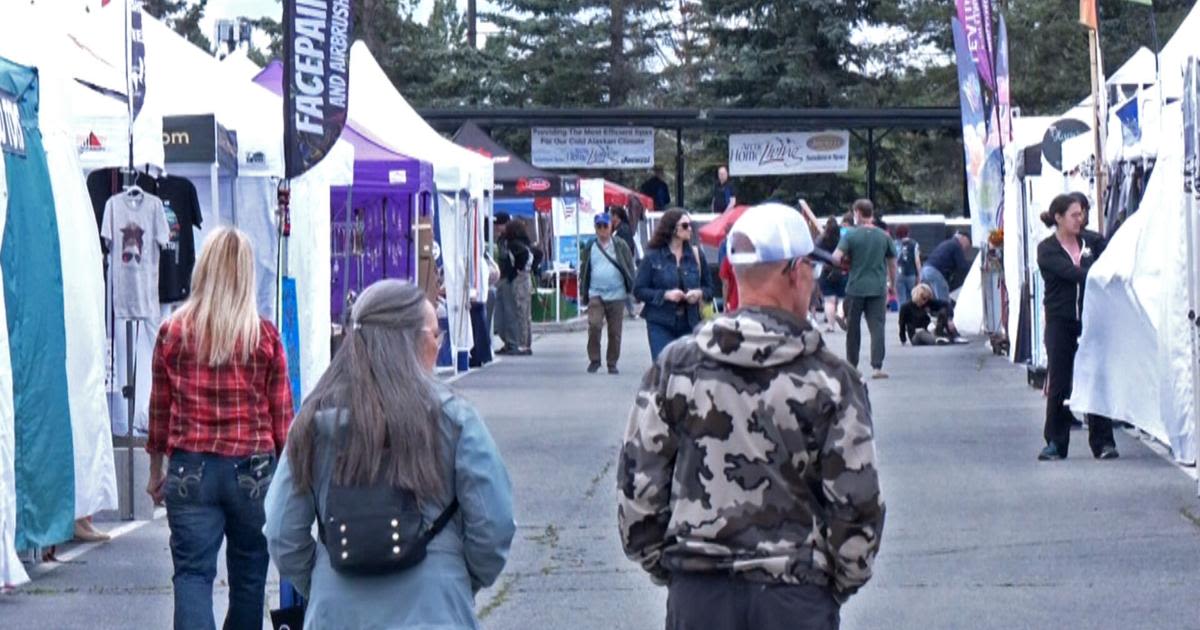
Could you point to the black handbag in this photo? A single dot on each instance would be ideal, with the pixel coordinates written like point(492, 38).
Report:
point(376, 529)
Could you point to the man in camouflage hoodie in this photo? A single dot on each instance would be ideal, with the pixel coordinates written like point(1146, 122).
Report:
point(747, 479)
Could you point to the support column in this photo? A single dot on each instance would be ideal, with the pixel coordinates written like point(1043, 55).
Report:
point(678, 169)
point(871, 165)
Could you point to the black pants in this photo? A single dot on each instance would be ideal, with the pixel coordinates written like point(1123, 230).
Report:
point(1062, 341)
point(702, 601)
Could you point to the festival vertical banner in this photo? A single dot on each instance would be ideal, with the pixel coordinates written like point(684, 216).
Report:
point(977, 158)
point(316, 86)
point(975, 17)
point(1003, 96)
point(137, 63)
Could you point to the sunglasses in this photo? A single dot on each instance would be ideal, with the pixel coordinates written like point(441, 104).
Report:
point(684, 226)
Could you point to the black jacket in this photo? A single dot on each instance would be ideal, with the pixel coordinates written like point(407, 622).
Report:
point(1064, 281)
point(516, 256)
point(914, 318)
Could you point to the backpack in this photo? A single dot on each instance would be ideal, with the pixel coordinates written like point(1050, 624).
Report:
point(376, 529)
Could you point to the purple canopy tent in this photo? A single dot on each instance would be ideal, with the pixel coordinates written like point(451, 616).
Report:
point(376, 216)
point(389, 191)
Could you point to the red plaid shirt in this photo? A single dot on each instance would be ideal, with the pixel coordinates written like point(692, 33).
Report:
point(233, 410)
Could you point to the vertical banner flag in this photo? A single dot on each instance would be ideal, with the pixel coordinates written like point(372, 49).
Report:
point(137, 62)
point(1087, 14)
point(975, 16)
point(982, 162)
point(1003, 96)
point(316, 86)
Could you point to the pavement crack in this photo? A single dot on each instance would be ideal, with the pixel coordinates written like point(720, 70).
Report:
point(594, 484)
point(1190, 516)
point(499, 598)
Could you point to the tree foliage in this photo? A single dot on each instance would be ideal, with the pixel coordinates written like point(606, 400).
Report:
point(742, 54)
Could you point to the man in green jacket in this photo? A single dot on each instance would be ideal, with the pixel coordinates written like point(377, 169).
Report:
point(605, 279)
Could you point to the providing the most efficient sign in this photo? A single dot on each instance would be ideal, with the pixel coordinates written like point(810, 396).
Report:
point(593, 147)
point(789, 153)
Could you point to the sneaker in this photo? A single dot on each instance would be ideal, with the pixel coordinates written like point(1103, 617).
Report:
point(612, 369)
point(1108, 452)
point(1050, 454)
point(879, 375)
point(593, 367)
point(524, 353)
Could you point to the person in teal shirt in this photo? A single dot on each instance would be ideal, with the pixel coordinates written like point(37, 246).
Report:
point(872, 256)
point(605, 279)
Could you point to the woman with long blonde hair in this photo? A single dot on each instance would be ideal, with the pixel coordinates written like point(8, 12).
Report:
point(220, 408)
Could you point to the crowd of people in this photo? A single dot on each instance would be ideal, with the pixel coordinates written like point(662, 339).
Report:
point(413, 511)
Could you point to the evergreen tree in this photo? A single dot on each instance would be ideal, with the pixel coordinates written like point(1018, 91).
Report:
point(181, 16)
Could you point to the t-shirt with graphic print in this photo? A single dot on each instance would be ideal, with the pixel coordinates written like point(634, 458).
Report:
point(182, 208)
point(135, 227)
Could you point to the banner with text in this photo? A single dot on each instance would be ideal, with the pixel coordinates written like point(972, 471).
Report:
point(316, 85)
point(593, 147)
point(789, 153)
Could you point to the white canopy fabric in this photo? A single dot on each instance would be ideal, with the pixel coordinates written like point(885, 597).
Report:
point(187, 80)
point(93, 47)
point(35, 37)
point(1138, 70)
point(1135, 314)
point(1181, 46)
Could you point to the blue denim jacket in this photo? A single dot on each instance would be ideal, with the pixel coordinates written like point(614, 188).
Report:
point(437, 593)
point(659, 273)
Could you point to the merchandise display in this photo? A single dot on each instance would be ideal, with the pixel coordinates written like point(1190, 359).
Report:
point(135, 228)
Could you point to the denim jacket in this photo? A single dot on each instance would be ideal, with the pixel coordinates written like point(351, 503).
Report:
point(463, 558)
point(659, 273)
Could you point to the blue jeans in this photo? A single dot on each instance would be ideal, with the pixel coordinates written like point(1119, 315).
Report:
point(937, 282)
point(904, 288)
point(660, 335)
point(210, 499)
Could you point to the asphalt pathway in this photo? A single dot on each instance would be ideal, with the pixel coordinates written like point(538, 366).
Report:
point(978, 535)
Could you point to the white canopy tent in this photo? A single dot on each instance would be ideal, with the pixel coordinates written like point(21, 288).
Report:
point(464, 180)
point(93, 47)
point(1136, 305)
point(187, 80)
point(35, 35)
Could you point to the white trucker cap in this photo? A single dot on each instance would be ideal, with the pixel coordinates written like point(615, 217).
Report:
point(776, 233)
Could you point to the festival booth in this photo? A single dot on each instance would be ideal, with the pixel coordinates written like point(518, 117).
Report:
point(374, 218)
point(464, 184)
point(1140, 291)
point(52, 348)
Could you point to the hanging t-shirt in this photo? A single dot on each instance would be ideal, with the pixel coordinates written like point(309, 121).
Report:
point(103, 183)
point(135, 227)
point(182, 209)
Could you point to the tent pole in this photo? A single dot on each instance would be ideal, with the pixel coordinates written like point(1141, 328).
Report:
point(871, 165)
point(130, 401)
point(678, 170)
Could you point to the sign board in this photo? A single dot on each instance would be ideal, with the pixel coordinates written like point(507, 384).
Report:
point(789, 153)
point(316, 90)
point(593, 147)
point(197, 139)
point(12, 135)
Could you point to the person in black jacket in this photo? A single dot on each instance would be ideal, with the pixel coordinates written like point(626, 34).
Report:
point(519, 262)
point(921, 310)
point(1064, 259)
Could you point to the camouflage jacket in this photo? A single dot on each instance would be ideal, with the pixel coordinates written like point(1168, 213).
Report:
point(750, 450)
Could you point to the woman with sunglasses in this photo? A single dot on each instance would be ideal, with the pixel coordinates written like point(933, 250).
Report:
point(673, 281)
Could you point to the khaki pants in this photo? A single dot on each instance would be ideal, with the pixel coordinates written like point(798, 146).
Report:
point(599, 312)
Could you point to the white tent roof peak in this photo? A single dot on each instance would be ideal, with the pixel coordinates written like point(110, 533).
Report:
point(379, 107)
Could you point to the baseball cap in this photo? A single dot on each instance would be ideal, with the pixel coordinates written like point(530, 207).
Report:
point(603, 219)
point(776, 233)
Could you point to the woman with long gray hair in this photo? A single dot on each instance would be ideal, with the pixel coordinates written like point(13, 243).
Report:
point(378, 417)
